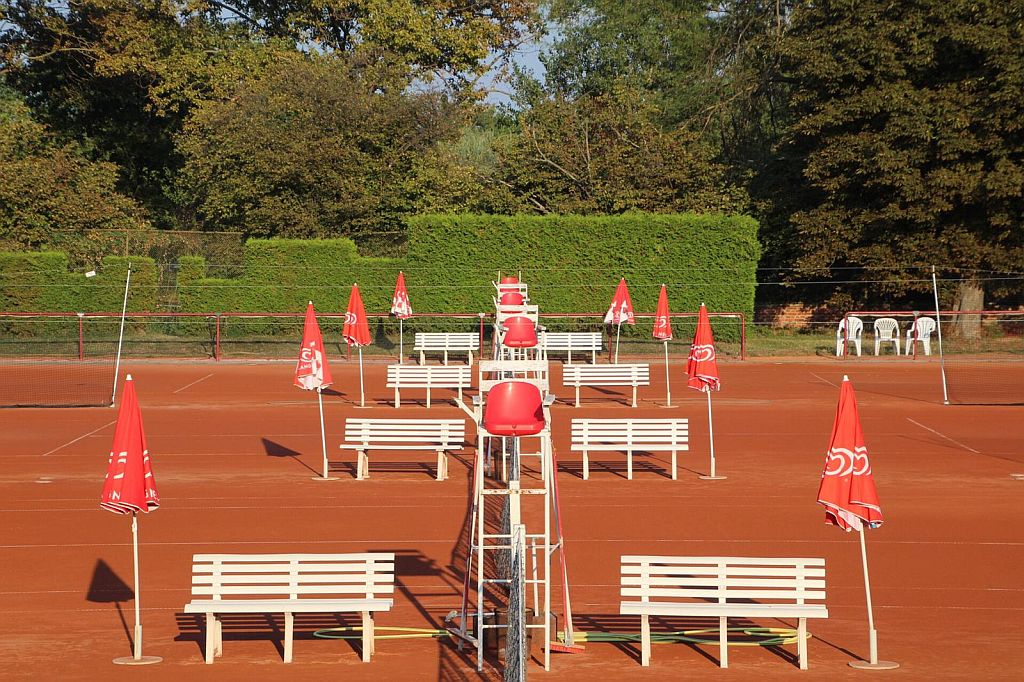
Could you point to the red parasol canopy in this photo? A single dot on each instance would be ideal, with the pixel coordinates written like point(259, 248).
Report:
point(662, 324)
point(621, 309)
point(311, 371)
point(847, 487)
point(702, 365)
point(400, 305)
point(356, 330)
point(129, 486)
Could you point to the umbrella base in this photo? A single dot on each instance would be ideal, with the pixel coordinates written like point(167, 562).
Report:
point(867, 665)
point(142, 660)
point(321, 478)
point(712, 478)
point(671, 407)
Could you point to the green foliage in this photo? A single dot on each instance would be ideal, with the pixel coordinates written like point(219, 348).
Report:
point(607, 154)
point(573, 263)
point(910, 133)
point(43, 282)
point(50, 194)
point(350, 146)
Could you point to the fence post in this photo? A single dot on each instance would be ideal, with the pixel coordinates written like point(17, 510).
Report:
point(743, 336)
point(81, 339)
point(216, 346)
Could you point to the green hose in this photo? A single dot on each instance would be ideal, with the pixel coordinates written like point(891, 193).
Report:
point(407, 633)
point(768, 636)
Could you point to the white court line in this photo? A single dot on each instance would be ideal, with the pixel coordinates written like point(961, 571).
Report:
point(825, 380)
point(78, 439)
point(193, 383)
point(955, 442)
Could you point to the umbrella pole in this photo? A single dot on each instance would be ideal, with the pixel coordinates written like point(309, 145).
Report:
point(618, 330)
point(362, 396)
point(135, 556)
point(668, 387)
point(136, 658)
point(873, 663)
point(323, 435)
point(401, 343)
point(711, 438)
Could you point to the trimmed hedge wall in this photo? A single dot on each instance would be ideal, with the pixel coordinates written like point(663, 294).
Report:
point(573, 263)
point(43, 282)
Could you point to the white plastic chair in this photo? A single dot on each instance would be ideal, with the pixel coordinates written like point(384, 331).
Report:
point(856, 330)
point(925, 326)
point(887, 330)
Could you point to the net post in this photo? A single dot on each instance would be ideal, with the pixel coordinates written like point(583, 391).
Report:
point(938, 329)
point(743, 336)
point(81, 336)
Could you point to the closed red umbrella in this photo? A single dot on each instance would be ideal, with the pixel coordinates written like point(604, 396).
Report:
point(847, 492)
point(620, 310)
point(702, 370)
point(357, 332)
point(312, 371)
point(663, 331)
point(401, 308)
point(130, 488)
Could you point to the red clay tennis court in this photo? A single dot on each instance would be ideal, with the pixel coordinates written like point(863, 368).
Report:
point(235, 449)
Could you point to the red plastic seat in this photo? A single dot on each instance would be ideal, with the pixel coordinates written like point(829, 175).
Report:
point(514, 408)
point(511, 298)
point(520, 332)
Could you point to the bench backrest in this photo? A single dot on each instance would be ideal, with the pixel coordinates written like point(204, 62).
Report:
point(724, 580)
point(293, 576)
point(607, 375)
point(531, 371)
point(441, 376)
point(588, 341)
point(446, 433)
point(447, 341)
point(638, 434)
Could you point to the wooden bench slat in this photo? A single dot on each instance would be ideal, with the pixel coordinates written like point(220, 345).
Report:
point(720, 581)
point(729, 560)
point(695, 609)
point(369, 557)
point(629, 436)
point(300, 589)
point(287, 605)
point(279, 578)
point(654, 593)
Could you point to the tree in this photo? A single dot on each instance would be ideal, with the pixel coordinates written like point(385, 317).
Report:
point(316, 147)
point(609, 154)
point(909, 128)
point(51, 195)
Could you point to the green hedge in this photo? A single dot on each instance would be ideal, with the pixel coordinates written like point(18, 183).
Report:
point(573, 263)
point(43, 281)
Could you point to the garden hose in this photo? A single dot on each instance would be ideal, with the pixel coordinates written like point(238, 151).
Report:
point(406, 633)
point(768, 636)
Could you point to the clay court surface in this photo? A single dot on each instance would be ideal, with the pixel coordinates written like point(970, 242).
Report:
point(235, 448)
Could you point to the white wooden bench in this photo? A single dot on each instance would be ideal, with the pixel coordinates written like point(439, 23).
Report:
point(442, 342)
point(428, 377)
point(581, 342)
point(440, 435)
point(289, 584)
point(606, 375)
point(629, 436)
point(723, 587)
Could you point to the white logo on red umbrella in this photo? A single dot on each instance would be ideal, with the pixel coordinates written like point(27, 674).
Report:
point(661, 321)
point(306, 354)
point(703, 353)
point(350, 317)
point(842, 462)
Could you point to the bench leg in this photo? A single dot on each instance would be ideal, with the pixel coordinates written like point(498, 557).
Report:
point(629, 465)
point(586, 466)
point(645, 640)
point(367, 636)
point(568, 360)
point(211, 637)
point(362, 465)
point(634, 396)
point(577, 395)
point(674, 465)
point(428, 395)
point(723, 642)
point(398, 398)
point(446, 356)
point(289, 636)
point(801, 642)
point(423, 359)
point(442, 468)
